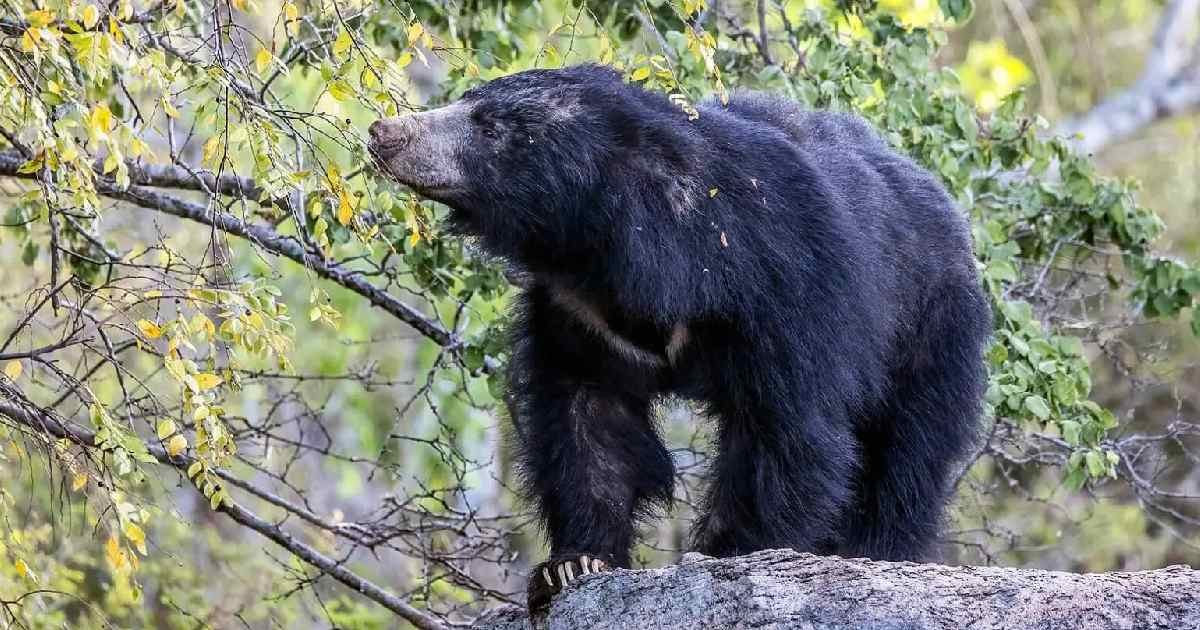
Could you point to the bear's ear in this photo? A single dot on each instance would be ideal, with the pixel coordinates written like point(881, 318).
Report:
point(681, 192)
point(662, 161)
point(563, 102)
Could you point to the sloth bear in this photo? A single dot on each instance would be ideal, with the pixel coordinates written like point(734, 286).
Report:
point(814, 290)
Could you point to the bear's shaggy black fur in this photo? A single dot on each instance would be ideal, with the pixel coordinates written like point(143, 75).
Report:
point(814, 289)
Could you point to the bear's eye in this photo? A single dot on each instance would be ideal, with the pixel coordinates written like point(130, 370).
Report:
point(488, 132)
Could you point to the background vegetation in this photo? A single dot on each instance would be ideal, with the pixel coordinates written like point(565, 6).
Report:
point(249, 383)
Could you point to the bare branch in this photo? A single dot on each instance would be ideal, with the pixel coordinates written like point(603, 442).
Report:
point(42, 422)
point(1169, 86)
point(262, 235)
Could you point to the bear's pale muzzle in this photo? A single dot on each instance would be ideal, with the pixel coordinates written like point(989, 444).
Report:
point(421, 150)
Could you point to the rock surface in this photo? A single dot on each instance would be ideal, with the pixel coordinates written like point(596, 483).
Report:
point(785, 589)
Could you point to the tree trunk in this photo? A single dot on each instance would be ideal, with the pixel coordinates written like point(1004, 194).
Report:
point(785, 589)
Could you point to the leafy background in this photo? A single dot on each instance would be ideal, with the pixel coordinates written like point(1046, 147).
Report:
point(250, 383)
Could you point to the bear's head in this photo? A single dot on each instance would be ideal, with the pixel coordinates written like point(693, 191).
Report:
point(544, 163)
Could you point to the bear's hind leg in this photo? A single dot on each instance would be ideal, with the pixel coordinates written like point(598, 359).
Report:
point(912, 450)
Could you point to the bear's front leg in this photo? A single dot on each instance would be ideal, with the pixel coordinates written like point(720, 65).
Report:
point(590, 459)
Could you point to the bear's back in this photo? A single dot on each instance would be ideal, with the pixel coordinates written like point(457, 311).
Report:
point(809, 129)
point(903, 217)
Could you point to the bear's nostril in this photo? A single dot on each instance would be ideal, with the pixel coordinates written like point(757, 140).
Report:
point(376, 130)
point(389, 136)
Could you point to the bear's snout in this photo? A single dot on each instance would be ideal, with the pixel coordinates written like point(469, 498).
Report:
point(390, 135)
point(420, 150)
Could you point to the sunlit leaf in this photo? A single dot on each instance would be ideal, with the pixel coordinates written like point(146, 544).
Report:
point(341, 90)
point(13, 369)
point(207, 381)
point(262, 59)
point(165, 429)
point(176, 444)
point(149, 328)
point(136, 536)
point(23, 570)
point(342, 43)
point(90, 16)
point(112, 551)
point(415, 30)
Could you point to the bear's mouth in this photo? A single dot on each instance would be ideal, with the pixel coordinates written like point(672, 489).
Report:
point(386, 162)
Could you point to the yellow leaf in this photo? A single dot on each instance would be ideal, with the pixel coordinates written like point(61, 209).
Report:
point(100, 120)
point(641, 74)
point(38, 19)
point(90, 15)
point(149, 328)
point(404, 59)
point(345, 210)
point(13, 370)
point(292, 14)
point(414, 238)
point(341, 90)
point(201, 323)
point(112, 550)
point(114, 29)
point(176, 445)
point(169, 108)
point(414, 32)
point(368, 79)
point(240, 5)
point(79, 481)
point(262, 59)
point(137, 537)
point(209, 151)
point(342, 43)
point(208, 381)
point(23, 570)
point(165, 428)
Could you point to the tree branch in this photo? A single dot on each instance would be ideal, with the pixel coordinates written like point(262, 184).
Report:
point(1169, 86)
point(42, 422)
point(262, 235)
point(784, 589)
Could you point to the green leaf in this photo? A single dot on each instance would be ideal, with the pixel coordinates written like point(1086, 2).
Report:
point(1070, 432)
point(1038, 407)
point(1095, 464)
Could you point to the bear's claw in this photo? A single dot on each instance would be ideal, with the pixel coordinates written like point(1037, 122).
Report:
point(549, 577)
